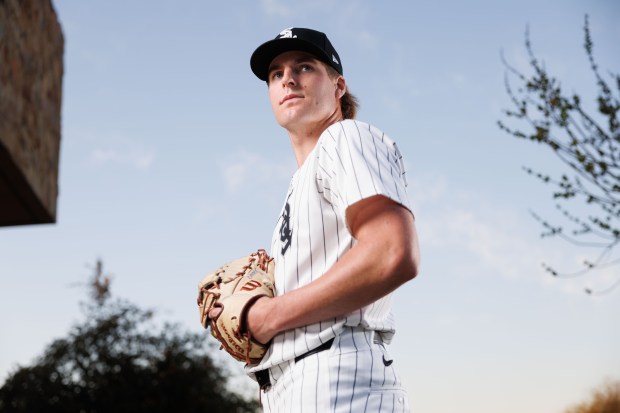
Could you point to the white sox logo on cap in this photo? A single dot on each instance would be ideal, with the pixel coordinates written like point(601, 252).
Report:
point(287, 34)
point(294, 38)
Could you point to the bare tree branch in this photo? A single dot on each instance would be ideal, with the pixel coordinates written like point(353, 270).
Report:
point(587, 144)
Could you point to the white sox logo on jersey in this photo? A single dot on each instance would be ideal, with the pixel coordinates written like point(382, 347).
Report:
point(287, 34)
point(286, 232)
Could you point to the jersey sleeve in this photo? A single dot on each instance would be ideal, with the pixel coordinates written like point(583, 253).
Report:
point(357, 161)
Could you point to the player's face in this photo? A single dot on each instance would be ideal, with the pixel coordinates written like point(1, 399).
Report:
point(304, 97)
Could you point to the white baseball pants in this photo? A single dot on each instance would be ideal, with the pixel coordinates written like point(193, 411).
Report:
point(355, 375)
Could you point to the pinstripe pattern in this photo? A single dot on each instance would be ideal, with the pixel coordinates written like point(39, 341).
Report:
point(351, 161)
point(349, 378)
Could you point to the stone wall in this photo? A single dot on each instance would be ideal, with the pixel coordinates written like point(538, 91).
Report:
point(31, 69)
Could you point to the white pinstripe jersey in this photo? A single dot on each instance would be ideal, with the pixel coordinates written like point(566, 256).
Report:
point(351, 161)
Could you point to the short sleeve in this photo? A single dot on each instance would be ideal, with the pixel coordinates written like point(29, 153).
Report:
point(357, 161)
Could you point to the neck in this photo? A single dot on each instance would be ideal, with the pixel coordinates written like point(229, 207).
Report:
point(304, 139)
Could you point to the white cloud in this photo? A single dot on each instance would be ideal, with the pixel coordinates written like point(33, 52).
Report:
point(246, 166)
point(277, 8)
point(459, 80)
point(497, 239)
point(329, 11)
point(368, 40)
point(489, 240)
point(135, 156)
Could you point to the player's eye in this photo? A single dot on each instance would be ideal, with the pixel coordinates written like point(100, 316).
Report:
point(306, 68)
point(275, 75)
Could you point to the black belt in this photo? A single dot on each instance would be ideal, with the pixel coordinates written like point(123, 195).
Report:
point(262, 376)
point(325, 346)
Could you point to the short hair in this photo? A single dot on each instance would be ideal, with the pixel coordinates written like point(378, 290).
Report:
point(348, 102)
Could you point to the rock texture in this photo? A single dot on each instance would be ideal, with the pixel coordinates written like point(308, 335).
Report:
point(31, 69)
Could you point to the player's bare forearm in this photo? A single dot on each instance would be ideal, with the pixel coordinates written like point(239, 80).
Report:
point(385, 257)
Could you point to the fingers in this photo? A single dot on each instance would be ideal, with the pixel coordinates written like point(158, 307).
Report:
point(215, 312)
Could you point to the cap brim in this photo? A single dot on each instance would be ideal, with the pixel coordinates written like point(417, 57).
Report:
point(265, 53)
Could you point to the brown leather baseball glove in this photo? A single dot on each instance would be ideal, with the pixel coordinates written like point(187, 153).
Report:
point(233, 288)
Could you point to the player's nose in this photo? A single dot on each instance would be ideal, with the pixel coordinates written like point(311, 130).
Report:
point(288, 77)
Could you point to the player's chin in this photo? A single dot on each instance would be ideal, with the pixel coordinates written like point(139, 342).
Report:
point(289, 118)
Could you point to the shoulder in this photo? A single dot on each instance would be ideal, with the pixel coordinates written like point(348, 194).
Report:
point(351, 133)
point(348, 127)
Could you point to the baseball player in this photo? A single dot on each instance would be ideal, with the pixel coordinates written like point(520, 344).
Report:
point(344, 241)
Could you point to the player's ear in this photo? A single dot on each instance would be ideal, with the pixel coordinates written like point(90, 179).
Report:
point(341, 87)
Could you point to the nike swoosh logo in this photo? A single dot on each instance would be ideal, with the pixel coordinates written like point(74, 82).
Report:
point(387, 363)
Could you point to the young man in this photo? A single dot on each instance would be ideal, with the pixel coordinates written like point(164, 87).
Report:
point(345, 240)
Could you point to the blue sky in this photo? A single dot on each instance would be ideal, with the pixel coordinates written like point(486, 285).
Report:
point(171, 163)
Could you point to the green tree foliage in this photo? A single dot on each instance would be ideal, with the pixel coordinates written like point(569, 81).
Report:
point(588, 145)
point(603, 400)
point(118, 360)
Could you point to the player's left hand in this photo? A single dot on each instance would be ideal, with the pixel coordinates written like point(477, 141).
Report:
point(257, 318)
point(225, 298)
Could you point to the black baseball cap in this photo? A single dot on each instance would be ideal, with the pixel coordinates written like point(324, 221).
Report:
point(294, 38)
